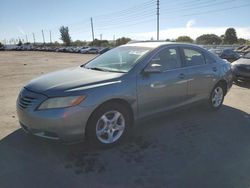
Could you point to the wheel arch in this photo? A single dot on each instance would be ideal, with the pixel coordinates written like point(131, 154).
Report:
point(224, 83)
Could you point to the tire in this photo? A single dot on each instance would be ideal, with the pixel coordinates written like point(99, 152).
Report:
point(109, 120)
point(216, 97)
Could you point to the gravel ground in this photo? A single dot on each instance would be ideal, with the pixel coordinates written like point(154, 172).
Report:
point(186, 148)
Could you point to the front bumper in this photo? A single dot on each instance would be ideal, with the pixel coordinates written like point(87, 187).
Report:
point(66, 124)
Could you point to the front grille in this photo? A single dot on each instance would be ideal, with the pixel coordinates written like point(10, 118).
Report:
point(25, 101)
point(29, 100)
point(244, 68)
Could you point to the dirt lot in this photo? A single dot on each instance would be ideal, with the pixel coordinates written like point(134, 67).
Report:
point(188, 148)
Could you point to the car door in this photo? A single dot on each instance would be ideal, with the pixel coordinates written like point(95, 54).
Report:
point(164, 88)
point(201, 73)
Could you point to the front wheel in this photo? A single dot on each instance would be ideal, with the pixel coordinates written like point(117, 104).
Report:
point(108, 125)
point(216, 97)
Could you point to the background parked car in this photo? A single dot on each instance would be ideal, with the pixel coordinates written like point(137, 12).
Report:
point(241, 68)
point(84, 49)
point(92, 51)
point(216, 51)
point(229, 55)
point(244, 49)
point(102, 51)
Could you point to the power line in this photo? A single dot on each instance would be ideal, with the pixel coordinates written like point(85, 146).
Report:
point(128, 19)
point(144, 13)
point(207, 5)
point(218, 10)
point(125, 11)
point(182, 4)
point(127, 14)
point(127, 25)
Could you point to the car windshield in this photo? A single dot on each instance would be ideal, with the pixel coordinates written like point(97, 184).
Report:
point(120, 59)
point(247, 56)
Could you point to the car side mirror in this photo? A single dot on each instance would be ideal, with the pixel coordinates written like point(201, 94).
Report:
point(153, 68)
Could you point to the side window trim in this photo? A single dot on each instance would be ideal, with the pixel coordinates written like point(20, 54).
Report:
point(195, 49)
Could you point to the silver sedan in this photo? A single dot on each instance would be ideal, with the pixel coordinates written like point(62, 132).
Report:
point(104, 98)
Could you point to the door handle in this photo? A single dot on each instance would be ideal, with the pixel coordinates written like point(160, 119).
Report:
point(214, 69)
point(181, 76)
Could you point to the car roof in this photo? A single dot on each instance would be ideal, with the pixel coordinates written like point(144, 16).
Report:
point(155, 44)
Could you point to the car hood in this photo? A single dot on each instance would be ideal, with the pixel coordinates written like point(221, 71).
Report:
point(72, 79)
point(242, 61)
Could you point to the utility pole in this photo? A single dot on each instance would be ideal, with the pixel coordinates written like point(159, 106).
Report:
point(92, 28)
point(100, 36)
point(43, 37)
point(158, 14)
point(34, 38)
point(26, 38)
point(50, 36)
point(114, 42)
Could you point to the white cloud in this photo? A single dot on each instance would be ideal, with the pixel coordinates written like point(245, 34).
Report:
point(190, 23)
point(193, 32)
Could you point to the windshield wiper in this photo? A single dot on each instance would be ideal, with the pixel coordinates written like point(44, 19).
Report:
point(102, 69)
point(97, 68)
point(117, 71)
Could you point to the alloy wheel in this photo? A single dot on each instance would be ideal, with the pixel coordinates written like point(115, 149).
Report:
point(217, 97)
point(110, 127)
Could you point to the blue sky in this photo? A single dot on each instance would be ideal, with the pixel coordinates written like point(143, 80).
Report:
point(135, 19)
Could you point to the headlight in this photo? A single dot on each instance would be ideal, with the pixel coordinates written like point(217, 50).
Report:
point(61, 102)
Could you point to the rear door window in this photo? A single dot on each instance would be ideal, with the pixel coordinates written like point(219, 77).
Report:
point(209, 58)
point(193, 57)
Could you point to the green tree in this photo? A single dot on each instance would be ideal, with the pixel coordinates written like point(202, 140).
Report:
point(1, 45)
point(242, 41)
point(186, 39)
point(122, 41)
point(208, 39)
point(230, 36)
point(19, 43)
point(79, 43)
point(65, 37)
point(101, 43)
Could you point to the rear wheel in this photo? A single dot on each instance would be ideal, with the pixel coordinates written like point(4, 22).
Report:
point(216, 97)
point(108, 125)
